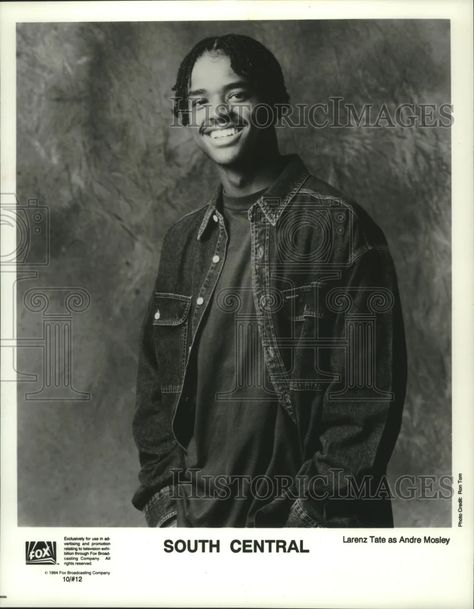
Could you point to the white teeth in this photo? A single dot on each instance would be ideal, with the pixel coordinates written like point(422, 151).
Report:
point(218, 133)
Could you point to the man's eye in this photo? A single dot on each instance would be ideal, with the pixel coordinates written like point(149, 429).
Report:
point(198, 102)
point(238, 96)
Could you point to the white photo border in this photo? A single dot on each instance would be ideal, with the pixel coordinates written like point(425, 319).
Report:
point(331, 575)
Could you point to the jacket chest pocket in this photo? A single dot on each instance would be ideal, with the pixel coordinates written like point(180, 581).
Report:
point(170, 332)
point(307, 302)
point(307, 327)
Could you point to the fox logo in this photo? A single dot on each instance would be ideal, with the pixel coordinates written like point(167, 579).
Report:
point(40, 552)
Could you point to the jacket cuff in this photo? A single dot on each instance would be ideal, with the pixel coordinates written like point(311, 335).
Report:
point(160, 508)
point(299, 517)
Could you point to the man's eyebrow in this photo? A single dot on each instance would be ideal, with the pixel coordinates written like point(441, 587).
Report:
point(227, 87)
point(236, 84)
point(197, 92)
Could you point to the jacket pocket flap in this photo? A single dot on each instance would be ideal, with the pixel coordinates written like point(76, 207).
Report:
point(170, 309)
point(307, 301)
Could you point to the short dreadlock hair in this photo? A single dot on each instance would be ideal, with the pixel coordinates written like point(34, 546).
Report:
point(248, 58)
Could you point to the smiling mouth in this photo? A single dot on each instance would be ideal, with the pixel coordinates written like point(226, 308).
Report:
point(221, 134)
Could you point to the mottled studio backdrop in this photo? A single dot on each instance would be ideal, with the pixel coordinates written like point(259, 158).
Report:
point(96, 151)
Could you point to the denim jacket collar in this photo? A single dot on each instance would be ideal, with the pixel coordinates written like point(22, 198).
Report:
point(275, 199)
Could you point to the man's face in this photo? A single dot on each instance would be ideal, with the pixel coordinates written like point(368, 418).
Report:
point(221, 105)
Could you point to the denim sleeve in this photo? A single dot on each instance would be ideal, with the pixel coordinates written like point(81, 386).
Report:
point(299, 518)
point(358, 426)
point(160, 510)
point(158, 452)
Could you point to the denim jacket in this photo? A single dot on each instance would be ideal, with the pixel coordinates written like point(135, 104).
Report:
point(330, 323)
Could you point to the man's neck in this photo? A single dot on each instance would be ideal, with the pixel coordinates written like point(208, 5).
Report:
point(246, 180)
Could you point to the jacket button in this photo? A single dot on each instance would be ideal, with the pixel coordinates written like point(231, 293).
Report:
point(157, 314)
point(259, 252)
point(199, 301)
point(215, 218)
point(215, 259)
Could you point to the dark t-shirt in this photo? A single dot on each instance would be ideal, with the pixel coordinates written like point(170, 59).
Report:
point(236, 410)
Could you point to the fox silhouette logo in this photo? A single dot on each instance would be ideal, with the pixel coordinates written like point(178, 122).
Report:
point(40, 552)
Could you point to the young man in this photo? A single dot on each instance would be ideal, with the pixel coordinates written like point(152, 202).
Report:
point(272, 373)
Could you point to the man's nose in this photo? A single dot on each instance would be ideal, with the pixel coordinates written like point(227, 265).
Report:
point(218, 111)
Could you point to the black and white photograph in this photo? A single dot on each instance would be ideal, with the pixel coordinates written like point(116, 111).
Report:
point(297, 199)
point(232, 288)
